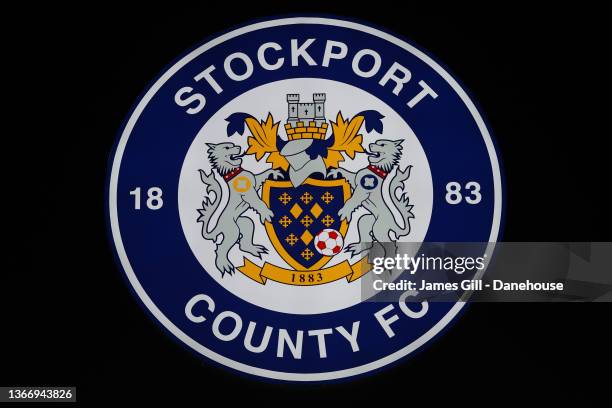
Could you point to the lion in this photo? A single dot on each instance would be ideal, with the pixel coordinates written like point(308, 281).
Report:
point(226, 159)
point(367, 192)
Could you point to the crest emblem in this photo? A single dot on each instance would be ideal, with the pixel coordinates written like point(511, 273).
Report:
point(302, 212)
point(252, 180)
point(301, 193)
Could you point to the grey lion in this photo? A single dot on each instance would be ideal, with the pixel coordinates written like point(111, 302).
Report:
point(226, 159)
point(383, 156)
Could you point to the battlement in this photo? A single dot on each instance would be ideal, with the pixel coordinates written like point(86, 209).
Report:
point(306, 120)
point(305, 130)
point(293, 98)
point(318, 97)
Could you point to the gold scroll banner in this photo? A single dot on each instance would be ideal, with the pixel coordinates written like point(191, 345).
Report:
point(344, 269)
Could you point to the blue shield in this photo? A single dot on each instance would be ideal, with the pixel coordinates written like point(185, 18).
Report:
point(300, 213)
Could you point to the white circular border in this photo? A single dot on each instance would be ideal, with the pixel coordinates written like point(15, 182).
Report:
point(279, 375)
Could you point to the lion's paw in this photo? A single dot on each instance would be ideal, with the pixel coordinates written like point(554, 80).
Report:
point(345, 214)
point(333, 173)
point(224, 266)
point(276, 174)
point(255, 250)
point(355, 248)
point(266, 215)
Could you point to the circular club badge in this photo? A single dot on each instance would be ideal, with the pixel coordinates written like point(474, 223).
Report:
point(253, 175)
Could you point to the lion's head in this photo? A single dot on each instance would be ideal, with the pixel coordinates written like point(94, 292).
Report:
point(224, 157)
point(385, 153)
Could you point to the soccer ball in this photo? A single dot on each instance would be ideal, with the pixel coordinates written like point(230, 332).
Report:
point(328, 242)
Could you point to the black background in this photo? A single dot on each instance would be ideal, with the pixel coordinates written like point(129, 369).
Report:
point(68, 318)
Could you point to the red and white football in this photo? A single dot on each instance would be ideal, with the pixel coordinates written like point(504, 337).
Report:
point(329, 242)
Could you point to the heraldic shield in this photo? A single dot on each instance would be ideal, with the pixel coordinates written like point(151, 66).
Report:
point(300, 213)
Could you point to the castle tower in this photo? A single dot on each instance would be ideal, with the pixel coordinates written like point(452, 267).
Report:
point(306, 120)
point(292, 105)
point(319, 107)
